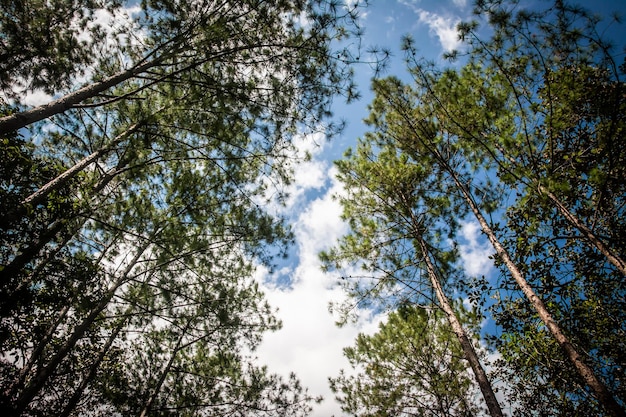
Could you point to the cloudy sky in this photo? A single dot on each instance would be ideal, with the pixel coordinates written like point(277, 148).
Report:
point(309, 343)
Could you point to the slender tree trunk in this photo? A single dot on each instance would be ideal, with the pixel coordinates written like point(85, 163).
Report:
point(164, 372)
point(18, 383)
point(39, 380)
point(28, 280)
point(466, 344)
point(56, 183)
point(602, 393)
point(591, 237)
point(38, 350)
point(22, 119)
point(616, 260)
point(31, 251)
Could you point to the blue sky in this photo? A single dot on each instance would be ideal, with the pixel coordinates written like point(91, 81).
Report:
point(309, 343)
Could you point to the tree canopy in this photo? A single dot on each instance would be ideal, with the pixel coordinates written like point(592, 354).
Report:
point(412, 366)
point(135, 208)
point(516, 135)
point(133, 203)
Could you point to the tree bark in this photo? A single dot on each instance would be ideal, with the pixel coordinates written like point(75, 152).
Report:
point(468, 348)
point(466, 344)
point(11, 269)
point(31, 251)
point(22, 119)
point(6, 310)
point(36, 353)
point(616, 260)
point(591, 237)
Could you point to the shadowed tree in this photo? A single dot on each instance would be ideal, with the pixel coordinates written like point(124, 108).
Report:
point(150, 208)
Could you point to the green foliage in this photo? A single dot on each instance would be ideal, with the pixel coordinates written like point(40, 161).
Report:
point(565, 95)
point(129, 282)
point(404, 201)
point(46, 44)
point(539, 107)
point(22, 228)
point(529, 130)
point(412, 366)
point(390, 200)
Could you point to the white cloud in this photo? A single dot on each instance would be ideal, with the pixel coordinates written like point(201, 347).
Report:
point(310, 344)
point(308, 175)
point(112, 21)
point(319, 225)
point(302, 20)
point(475, 251)
point(36, 98)
point(460, 3)
point(311, 174)
point(442, 27)
point(313, 143)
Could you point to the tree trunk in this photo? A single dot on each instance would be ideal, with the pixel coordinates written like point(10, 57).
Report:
point(164, 372)
point(22, 119)
point(6, 310)
point(601, 391)
point(56, 183)
point(38, 350)
point(618, 262)
point(11, 269)
point(466, 344)
point(591, 237)
point(31, 251)
point(73, 401)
